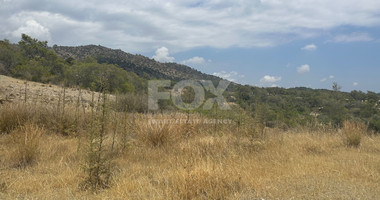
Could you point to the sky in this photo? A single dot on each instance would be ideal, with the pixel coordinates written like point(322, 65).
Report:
point(266, 43)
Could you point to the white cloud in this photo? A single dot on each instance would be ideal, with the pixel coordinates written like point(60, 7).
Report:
point(162, 55)
point(325, 79)
point(194, 61)
point(231, 76)
point(353, 37)
point(270, 79)
point(34, 29)
point(309, 47)
point(138, 26)
point(355, 84)
point(303, 69)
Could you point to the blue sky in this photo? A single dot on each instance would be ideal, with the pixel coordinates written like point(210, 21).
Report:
point(290, 43)
point(353, 65)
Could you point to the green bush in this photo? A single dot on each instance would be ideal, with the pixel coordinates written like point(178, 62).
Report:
point(374, 123)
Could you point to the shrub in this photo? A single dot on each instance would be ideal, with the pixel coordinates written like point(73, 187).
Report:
point(65, 124)
point(26, 139)
point(154, 135)
point(132, 103)
point(157, 133)
point(374, 123)
point(97, 163)
point(12, 116)
point(353, 133)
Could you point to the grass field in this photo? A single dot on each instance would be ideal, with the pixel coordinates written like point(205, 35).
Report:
point(204, 164)
point(43, 152)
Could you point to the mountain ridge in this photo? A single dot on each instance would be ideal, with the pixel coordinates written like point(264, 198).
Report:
point(141, 65)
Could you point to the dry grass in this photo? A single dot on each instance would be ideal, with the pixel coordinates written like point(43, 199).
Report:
point(353, 133)
point(152, 131)
point(26, 140)
point(13, 115)
point(182, 161)
point(227, 165)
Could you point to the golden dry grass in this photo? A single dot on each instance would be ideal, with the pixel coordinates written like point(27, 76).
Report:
point(177, 160)
point(26, 140)
point(353, 133)
point(201, 165)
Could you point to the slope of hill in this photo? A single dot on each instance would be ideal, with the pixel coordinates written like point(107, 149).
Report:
point(17, 91)
point(141, 65)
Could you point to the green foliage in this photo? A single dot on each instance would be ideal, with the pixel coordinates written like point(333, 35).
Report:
point(32, 48)
point(10, 56)
point(33, 71)
point(336, 112)
point(97, 161)
point(142, 66)
point(32, 60)
point(374, 123)
point(92, 75)
point(302, 106)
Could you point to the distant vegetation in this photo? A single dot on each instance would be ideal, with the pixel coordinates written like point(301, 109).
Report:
point(309, 107)
point(141, 65)
point(99, 68)
point(32, 60)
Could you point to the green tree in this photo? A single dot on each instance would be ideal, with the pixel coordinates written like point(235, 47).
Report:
point(31, 47)
point(9, 57)
point(92, 75)
point(38, 63)
point(336, 87)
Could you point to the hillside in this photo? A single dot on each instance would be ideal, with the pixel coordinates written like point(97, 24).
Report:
point(17, 91)
point(141, 65)
point(99, 68)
